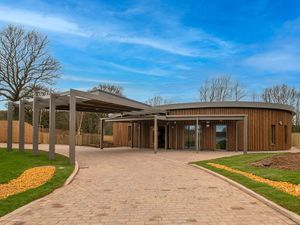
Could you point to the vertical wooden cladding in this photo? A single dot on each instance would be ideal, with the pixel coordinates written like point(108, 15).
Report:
point(121, 135)
point(259, 127)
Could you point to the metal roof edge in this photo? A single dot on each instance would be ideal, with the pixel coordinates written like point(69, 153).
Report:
point(228, 104)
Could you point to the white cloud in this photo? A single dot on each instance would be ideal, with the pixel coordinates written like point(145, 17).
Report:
point(177, 40)
point(166, 46)
point(91, 80)
point(275, 61)
point(151, 72)
point(280, 54)
point(40, 20)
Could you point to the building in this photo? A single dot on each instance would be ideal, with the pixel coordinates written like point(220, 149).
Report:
point(232, 126)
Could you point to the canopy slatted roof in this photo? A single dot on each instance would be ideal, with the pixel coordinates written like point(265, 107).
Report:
point(99, 101)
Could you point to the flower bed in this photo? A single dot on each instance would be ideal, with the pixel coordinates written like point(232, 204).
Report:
point(292, 189)
point(29, 179)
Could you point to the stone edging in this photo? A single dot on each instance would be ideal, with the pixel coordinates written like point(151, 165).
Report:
point(72, 176)
point(67, 182)
point(291, 215)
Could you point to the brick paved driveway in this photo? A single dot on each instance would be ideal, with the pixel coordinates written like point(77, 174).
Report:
point(138, 187)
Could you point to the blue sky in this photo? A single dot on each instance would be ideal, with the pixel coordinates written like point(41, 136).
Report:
point(166, 48)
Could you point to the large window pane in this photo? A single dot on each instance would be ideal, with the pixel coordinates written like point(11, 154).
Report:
point(221, 136)
point(189, 136)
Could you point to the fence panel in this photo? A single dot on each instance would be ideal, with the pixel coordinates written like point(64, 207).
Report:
point(296, 139)
point(62, 136)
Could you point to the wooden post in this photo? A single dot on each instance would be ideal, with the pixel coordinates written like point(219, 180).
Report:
point(142, 134)
point(101, 133)
point(139, 135)
point(166, 136)
point(197, 135)
point(132, 132)
point(10, 112)
point(36, 117)
point(236, 136)
point(21, 125)
point(72, 127)
point(176, 137)
point(200, 133)
point(245, 134)
point(52, 127)
point(155, 134)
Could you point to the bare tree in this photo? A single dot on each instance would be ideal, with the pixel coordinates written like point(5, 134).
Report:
point(283, 94)
point(205, 92)
point(238, 91)
point(25, 63)
point(255, 96)
point(157, 100)
point(222, 88)
point(110, 88)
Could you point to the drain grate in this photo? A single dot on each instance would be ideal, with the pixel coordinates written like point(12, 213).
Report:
point(191, 220)
point(237, 208)
point(57, 205)
point(84, 167)
point(212, 187)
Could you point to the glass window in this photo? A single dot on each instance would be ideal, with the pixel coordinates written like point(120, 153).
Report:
point(189, 136)
point(273, 134)
point(221, 137)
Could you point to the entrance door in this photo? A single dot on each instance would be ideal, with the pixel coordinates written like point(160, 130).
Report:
point(221, 137)
point(161, 137)
point(189, 136)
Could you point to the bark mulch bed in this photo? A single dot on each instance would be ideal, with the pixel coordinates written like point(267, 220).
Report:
point(288, 161)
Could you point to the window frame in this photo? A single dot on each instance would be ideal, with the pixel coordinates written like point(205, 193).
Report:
point(273, 134)
point(226, 137)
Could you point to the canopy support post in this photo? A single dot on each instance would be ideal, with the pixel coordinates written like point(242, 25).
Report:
point(21, 125)
point(36, 117)
point(52, 127)
point(10, 112)
point(155, 134)
point(72, 128)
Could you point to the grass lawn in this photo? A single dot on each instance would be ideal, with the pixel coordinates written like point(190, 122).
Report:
point(242, 162)
point(13, 163)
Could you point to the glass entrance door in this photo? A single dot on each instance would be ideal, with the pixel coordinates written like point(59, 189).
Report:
point(189, 136)
point(221, 137)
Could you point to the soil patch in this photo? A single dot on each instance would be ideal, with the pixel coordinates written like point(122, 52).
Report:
point(288, 161)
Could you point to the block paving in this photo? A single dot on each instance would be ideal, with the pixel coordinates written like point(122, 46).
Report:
point(138, 187)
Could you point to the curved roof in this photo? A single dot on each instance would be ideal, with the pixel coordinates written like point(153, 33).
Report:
point(194, 105)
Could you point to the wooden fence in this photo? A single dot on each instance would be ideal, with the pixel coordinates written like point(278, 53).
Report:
point(62, 137)
point(296, 139)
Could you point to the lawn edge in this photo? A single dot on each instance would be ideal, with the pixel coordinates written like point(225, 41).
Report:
point(73, 175)
point(67, 182)
point(289, 214)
